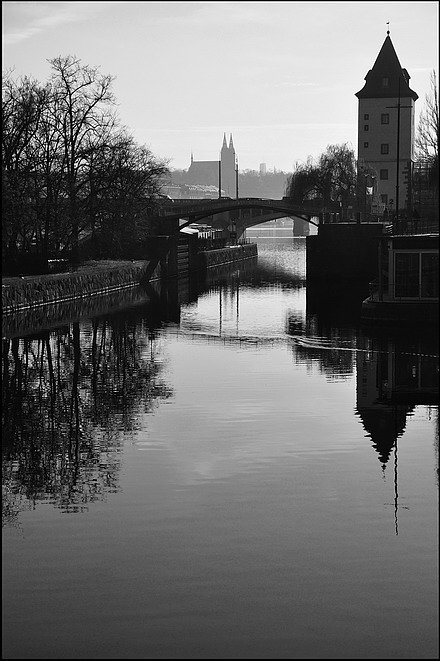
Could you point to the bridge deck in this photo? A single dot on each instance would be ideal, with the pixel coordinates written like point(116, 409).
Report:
point(192, 209)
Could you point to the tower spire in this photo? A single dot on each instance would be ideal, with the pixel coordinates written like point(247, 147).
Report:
point(224, 141)
point(231, 144)
point(383, 78)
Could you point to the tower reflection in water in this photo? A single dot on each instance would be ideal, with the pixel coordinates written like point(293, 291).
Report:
point(394, 375)
point(397, 370)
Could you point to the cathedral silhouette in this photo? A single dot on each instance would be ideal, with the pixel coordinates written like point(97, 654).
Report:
point(211, 173)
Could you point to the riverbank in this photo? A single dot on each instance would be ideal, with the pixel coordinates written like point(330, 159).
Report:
point(91, 278)
point(98, 278)
point(228, 255)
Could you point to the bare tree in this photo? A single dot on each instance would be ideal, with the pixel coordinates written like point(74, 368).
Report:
point(23, 103)
point(428, 127)
point(128, 187)
point(338, 164)
point(331, 179)
point(68, 167)
point(21, 109)
point(425, 180)
point(83, 97)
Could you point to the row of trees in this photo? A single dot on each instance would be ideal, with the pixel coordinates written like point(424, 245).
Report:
point(334, 177)
point(69, 168)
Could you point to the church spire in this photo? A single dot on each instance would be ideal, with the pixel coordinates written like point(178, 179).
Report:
point(231, 144)
point(387, 78)
point(224, 145)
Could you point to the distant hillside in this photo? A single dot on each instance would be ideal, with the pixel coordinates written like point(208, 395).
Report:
point(250, 183)
point(253, 184)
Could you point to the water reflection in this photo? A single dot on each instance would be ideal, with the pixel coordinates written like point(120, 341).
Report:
point(68, 396)
point(396, 368)
point(395, 373)
point(72, 393)
point(232, 497)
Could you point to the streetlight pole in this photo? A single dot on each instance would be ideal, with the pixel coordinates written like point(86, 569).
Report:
point(236, 179)
point(399, 106)
point(219, 179)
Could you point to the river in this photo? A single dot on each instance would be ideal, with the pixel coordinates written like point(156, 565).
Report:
point(227, 469)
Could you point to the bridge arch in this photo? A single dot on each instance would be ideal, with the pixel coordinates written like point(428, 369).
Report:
point(195, 210)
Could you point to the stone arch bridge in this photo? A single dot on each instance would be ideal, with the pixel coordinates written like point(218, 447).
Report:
point(236, 214)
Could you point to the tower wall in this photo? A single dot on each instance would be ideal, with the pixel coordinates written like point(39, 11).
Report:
point(386, 112)
point(228, 171)
point(370, 143)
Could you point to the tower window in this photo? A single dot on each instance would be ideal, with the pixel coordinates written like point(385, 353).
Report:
point(385, 82)
point(385, 118)
point(366, 116)
point(365, 127)
point(384, 148)
point(365, 145)
point(384, 174)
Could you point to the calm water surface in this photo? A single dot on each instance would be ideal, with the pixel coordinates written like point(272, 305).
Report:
point(232, 469)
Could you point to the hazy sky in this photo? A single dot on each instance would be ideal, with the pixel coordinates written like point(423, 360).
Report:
point(280, 76)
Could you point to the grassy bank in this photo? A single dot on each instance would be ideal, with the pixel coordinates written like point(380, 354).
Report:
point(89, 279)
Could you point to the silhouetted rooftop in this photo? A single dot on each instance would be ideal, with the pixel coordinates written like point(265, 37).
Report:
point(387, 66)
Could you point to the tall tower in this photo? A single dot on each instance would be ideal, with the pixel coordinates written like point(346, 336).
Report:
point(227, 158)
point(386, 130)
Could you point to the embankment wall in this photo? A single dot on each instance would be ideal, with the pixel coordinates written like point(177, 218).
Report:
point(227, 255)
point(36, 291)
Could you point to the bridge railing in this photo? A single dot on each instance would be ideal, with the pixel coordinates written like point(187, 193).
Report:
point(412, 227)
point(211, 243)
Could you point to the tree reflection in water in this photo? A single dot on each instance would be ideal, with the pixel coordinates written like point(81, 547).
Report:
point(68, 397)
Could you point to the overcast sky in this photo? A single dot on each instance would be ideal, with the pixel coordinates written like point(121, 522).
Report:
point(280, 76)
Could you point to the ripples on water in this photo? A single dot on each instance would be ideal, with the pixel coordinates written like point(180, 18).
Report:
point(228, 469)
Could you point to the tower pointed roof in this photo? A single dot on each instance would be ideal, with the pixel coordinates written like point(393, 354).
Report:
point(224, 141)
point(231, 144)
point(387, 67)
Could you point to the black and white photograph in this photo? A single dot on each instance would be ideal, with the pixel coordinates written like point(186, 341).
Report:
point(220, 330)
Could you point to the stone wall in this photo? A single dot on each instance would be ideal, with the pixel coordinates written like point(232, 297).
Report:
point(99, 278)
point(36, 291)
point(227, 255)
point(45, 317)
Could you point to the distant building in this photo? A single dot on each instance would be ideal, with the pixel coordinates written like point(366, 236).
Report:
point(386, 109)
point(263, 168)
point(190, 191)
point(209, 173)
